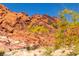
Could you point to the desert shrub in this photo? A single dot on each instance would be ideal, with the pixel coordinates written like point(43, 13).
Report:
point(76, 49)
point(71, 36)
point(38, 28)
point(48, 51)
point(59, 39)
point(31, 47)
point(2, 51)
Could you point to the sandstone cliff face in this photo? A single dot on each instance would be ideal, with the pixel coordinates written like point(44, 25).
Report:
point(10, 21)
point(15, 27)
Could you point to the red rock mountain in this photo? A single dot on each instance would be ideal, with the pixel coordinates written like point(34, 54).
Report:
point(17, 24)
point(11, 21)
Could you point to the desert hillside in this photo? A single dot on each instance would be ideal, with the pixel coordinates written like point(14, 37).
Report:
point(38, 35)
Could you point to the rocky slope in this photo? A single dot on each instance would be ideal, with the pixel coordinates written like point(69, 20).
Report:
point(15, 34)
point(37, 35)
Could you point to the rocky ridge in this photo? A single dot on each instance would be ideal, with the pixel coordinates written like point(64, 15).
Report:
point(14, 32)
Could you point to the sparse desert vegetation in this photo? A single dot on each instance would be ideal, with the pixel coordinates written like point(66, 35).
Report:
point(38, 35)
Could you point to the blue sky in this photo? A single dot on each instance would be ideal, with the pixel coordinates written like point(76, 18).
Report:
point(51, 9)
